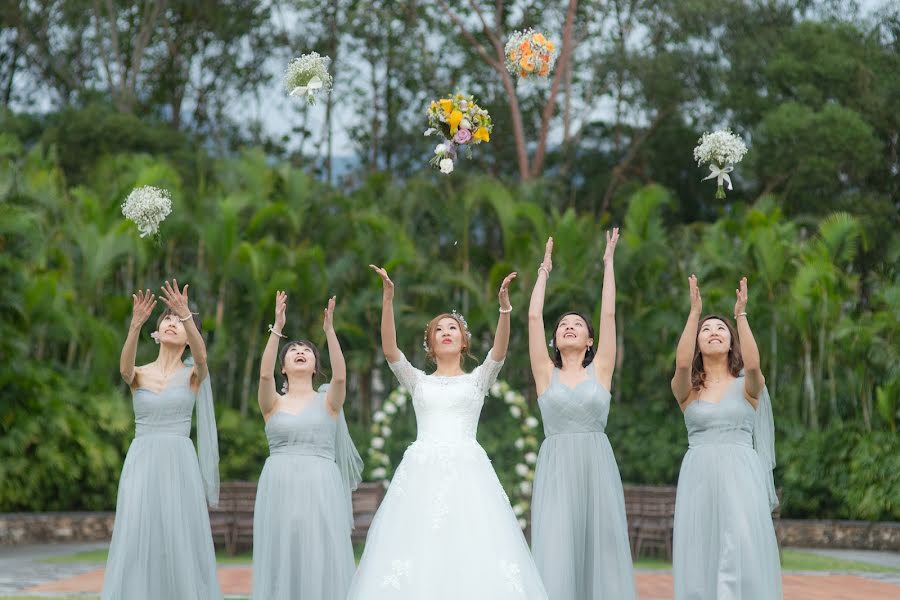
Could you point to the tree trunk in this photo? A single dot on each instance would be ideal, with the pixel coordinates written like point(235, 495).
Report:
point(809, 386)
point(365, 397)
point(772, 380)
point(220, 303)
point(11, 75)
point(248, 368)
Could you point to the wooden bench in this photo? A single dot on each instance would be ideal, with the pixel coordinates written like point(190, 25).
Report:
point(366, 500)
point(232, 520)
point(650, 510)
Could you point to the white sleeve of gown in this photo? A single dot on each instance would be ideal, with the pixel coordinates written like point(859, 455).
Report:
point(407, 374)
point(486, 373)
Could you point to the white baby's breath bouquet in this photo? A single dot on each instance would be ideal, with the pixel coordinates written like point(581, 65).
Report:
point(721, 150)
point(307, 76)
point(147, 206)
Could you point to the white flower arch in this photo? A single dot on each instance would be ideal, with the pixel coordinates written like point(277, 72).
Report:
point(381, 467)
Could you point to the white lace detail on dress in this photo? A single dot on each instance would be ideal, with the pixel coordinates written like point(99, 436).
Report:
point(399, 573)
point(486, 373)
point(513, 575)
point(407, 374)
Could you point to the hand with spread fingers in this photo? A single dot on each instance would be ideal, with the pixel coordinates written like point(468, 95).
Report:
point(143, 304)
point(175, 299)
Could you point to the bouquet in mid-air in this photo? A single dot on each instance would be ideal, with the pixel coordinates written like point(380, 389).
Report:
point(461, 122)
point(721, 150)
point(147, 206)
point(308, 76)
point(529, 54)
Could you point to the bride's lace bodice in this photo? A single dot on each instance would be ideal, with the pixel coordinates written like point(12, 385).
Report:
point(447, 408)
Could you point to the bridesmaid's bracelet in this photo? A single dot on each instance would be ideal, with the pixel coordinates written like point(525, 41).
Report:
point(506, 312)
point(545, 270)
point(743, 314)
point(190, 315)
point(272, 330)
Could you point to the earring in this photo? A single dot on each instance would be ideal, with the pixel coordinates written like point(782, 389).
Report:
point(284, 387)
point(155, 336)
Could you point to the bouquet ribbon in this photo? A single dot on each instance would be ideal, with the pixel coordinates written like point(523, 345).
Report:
point(309, 89)
point(721, 174)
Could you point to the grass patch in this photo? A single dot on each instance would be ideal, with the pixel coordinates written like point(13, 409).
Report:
point(794, 560)
point(798, 560)
point(651, 563)
point(99, 556)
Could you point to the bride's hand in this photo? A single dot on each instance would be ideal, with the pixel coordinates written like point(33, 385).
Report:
point(387, 284)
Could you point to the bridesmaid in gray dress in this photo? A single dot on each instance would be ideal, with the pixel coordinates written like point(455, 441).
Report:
point(161, 544)
point(724, 546)
point(579, 531)
point(303, 514)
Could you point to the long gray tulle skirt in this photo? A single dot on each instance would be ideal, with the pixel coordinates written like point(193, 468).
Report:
point(161, 546)
point(301, 531)
point(579, 529)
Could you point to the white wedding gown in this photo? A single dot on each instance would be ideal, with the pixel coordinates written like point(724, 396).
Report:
point(445, 529)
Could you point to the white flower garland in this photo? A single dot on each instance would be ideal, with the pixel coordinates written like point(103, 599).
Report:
point(381, 468)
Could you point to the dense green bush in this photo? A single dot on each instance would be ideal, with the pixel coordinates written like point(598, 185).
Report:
point(840, 472)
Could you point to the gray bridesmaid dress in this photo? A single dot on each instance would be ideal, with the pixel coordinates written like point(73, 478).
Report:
point(303, 515)
point(724, 545)
point(161, 545)
point(579, 530)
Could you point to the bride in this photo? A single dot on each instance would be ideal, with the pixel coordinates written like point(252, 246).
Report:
point(445, 529)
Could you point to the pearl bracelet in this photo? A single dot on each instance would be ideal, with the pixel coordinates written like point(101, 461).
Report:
point(190, 315)
point(743, 314)
point(506, 312)
point(272, 330)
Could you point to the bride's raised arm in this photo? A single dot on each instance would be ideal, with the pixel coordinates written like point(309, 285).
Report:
point(388, 329)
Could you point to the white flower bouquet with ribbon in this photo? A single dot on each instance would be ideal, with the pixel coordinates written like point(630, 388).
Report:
point(721, 150)
point(308, 76)
point(147, 206)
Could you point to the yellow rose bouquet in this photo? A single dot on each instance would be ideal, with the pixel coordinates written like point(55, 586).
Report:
point(461, 122)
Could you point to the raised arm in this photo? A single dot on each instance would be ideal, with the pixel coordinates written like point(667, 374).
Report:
point(337, 391)
point(267, 396)
point(501, 338)
point(684, 353)
point(541, 363)
point(388, 329)
point(753, 377)
point(605, 360)
point(177, 300)
point(142, 308)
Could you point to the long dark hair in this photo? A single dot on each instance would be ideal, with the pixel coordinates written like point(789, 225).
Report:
point(735, 360)
point(588, 354)
point(309, 345)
